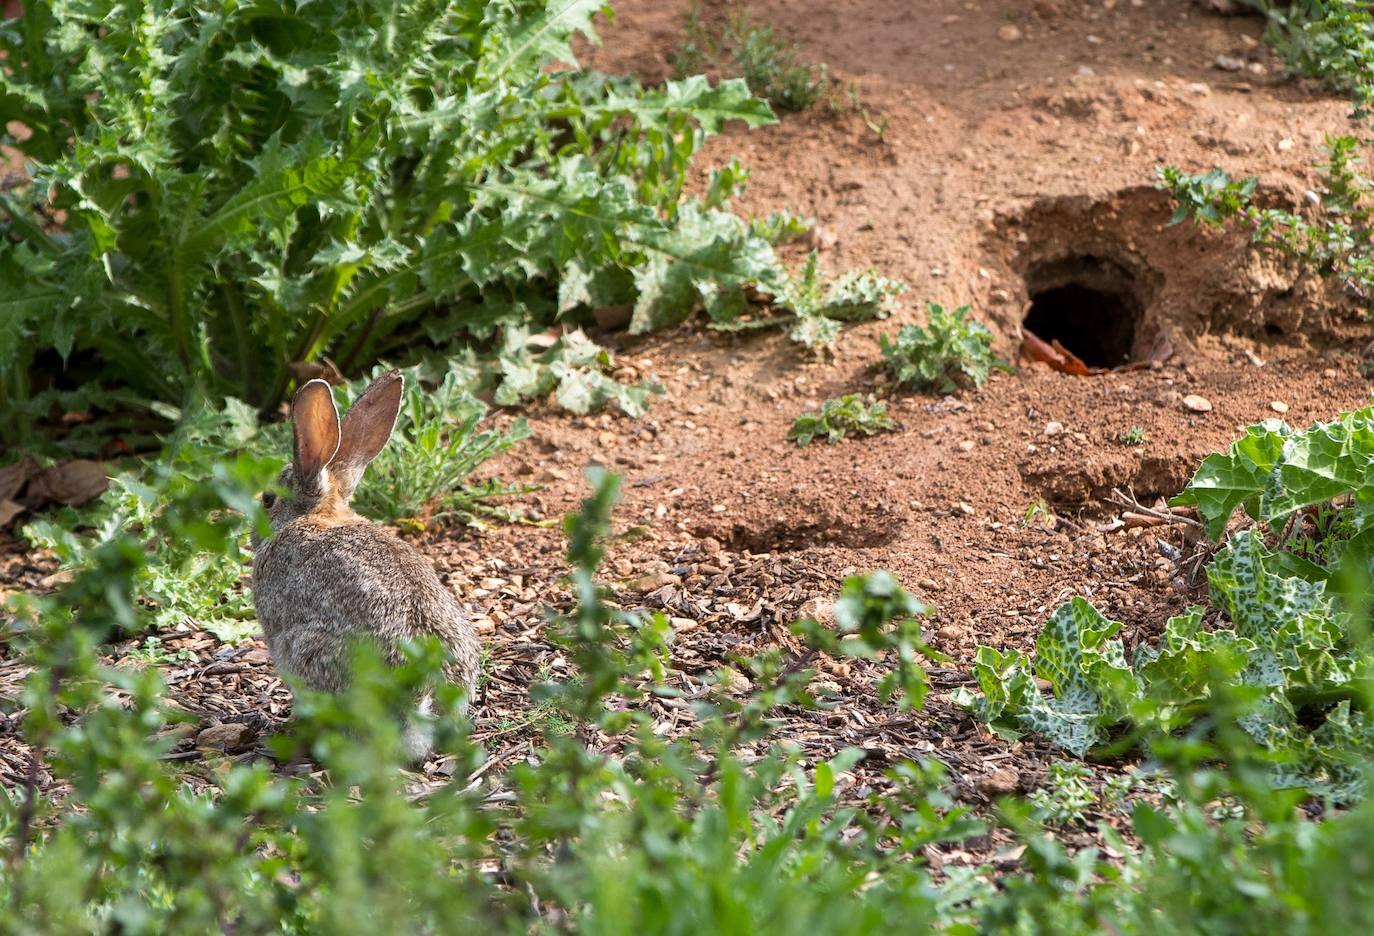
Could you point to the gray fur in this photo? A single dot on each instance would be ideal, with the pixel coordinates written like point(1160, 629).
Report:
point(327, 577)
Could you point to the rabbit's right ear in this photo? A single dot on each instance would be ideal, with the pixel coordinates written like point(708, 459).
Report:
point(316, 423)
point(366, 427)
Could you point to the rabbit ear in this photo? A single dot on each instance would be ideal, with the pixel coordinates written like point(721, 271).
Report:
point(316, 423)
point(366, 427)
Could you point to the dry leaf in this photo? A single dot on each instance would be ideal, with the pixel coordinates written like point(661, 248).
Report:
point(8, 511)
point(1055, 355)
point(14, 477)
point(73, 482)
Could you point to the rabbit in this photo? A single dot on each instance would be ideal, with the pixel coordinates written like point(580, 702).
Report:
point(326, 577)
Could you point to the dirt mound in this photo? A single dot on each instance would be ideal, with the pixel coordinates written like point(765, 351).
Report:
point(1116, 282)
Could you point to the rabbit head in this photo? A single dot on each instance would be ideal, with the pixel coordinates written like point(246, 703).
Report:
point(328, 456)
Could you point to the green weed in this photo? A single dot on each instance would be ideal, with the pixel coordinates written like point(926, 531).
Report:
point(1133, 436)
point(768, 63)
point(951, 348)
point(425, 470)
point(839, 417)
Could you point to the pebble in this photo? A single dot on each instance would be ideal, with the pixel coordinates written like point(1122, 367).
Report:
point(1199, 87)
point(967, 445)
point(1009, 33)
point(228, 738)
point(952, 633)
point(1001, 782)
point(1329, 373)
point(1197, 404)
point(1279, 406)
point(1053, 428)
point(1227, 63)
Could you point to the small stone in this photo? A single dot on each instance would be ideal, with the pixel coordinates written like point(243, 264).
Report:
point(964, 508)
point(654, 581)
point(967, 445)
point(1279, 406)
point(1085, 71)
point(1003, 781)
point(227, 738)
point(1009, 33)
point(1285, 144)
point(952, 633)
point(818, 609)
point(1053, 428)
point(1197, 404)
point(736, 681)
point(1227, 63)
point(1257, 68)
point(1329, 372)
point(950, 19)
point(1198, 87)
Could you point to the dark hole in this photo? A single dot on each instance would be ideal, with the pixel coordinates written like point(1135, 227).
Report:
point(1089, 305)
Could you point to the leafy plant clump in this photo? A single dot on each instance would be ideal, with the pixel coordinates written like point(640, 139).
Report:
point(608, 826)
point(1277, 630)
point(425, 469)
point(839, 417)
point(1133, 436)
point(1334, 241)
point(768, 63)
point(820, 304)
point(328, 178)
point(1328, 39)
point(576, 370)
point(949, 350)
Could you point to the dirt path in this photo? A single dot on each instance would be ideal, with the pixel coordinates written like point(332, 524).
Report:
point(1007, 168)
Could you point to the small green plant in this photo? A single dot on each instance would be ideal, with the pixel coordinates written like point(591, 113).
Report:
point(820, 304)
point(425, 469)
point(839, 417)
point(950, 349)
point(875, 615)
point(574, 368)
point(1334, 242)
point(1133, 436)
point(152, 652)
point(1039, 514)
point(1328, 39)
point(1067, 796)
point(180, 582)
point(769, 64)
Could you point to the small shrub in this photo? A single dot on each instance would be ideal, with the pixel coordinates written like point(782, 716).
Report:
point(769, 64)
point(1067, 796)
point(839, 417)
point(1133, 436)
point(951, 348)
point(1328, 39)
point(820, 303)
point(574, 368)
point(426, 467)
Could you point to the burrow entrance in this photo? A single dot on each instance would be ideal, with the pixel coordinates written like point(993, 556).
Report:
point(1089, 304)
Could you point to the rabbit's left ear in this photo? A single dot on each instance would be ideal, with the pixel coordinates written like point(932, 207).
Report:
point(366, 427)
